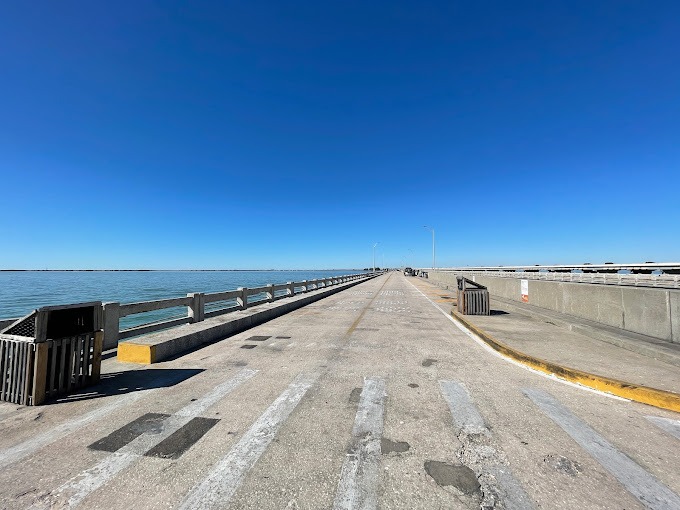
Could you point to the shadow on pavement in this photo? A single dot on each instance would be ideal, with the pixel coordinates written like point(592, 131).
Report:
point(119, 383)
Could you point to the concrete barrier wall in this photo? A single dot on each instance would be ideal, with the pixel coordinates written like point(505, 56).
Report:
point(644, 310)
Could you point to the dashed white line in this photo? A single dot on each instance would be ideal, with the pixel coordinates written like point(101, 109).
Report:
point(494, 473)
point(670, 426)
point(361, 469)
point(80, 486)
point(18, 452)
point(217, 489)
point(641, 484)
point(463, 411)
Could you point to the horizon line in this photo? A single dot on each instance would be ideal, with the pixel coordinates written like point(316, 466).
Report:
point(177, 270)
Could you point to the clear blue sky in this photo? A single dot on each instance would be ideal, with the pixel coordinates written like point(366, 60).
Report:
point(296, 134)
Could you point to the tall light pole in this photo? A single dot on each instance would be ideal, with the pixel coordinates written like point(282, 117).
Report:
point(376, 244)
point(434, 265)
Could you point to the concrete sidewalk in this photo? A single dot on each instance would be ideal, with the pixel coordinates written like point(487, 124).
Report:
point(572, 343)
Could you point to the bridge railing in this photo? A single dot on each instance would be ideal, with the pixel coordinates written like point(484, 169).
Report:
point(666, 281)
point(197, 306)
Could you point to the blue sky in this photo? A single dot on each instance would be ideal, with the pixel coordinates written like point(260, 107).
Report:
point(167, 134)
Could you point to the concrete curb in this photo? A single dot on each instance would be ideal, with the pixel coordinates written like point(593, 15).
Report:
point(650, 396)
point(166, 344)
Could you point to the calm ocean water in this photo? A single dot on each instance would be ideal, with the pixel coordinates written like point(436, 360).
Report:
point(23, 291)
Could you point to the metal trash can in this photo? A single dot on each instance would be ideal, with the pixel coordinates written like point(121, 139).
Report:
point(473, 298)
point(52, 351)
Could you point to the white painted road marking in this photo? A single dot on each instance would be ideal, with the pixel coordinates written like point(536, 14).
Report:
point(83, 484)
point(18, 452)
point(217, 489)
point(670, 426)
point(469, 423)
point(464, 413)
point(641, 484)
point(361, 469)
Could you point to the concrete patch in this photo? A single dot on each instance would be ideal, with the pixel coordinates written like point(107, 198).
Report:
point(461, 477)
point(354, 396)
point(248, 346)
point(389, 446)
point(149, 423)
point(428, 362)
point(563, 464)
point(173, 446)
point(257, 338)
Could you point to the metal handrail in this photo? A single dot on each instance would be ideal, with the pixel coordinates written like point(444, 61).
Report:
point(666, 281)
point(637, 267)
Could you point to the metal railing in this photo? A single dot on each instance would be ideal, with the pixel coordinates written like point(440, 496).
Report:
point(200, 306)
point(607, 267)
point(665, 281)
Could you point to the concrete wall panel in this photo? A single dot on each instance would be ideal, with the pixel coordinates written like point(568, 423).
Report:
point(600, 303)
point(645, 310)
point(674, 306)
point(549, 296)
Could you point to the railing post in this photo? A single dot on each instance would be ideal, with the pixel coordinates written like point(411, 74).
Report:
point(39, 373)
point(270, 292)
point(290, 289)
point(97, 356)
point(242, 299)
point(111, 324)
point(197, 306)
point(305, 288)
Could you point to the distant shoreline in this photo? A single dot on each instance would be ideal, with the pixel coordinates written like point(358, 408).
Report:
point(160, 270)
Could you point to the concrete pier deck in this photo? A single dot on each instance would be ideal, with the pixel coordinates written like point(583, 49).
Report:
point(571, 342)
point(370, 398)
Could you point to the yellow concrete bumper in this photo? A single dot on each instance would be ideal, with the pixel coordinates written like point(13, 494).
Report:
point(130, 352)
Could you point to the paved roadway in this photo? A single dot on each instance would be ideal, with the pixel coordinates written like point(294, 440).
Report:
point(371, 398)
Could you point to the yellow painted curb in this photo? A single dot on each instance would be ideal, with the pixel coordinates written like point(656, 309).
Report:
point(130, 352)
point(643, 394)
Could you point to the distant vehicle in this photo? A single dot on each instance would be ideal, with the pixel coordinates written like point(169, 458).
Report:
point(408, 271)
